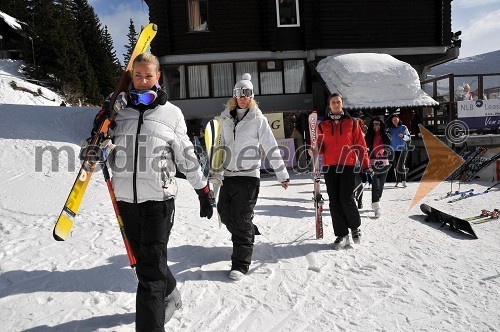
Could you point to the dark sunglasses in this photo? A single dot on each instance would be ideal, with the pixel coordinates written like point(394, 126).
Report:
point(145, 97)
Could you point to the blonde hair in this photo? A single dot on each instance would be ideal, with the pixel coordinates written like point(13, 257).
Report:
point(147, 58)
point(233, 103)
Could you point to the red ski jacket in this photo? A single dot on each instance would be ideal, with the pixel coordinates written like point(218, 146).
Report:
point(342, 143)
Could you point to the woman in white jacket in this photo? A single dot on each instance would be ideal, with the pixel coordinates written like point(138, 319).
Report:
point(151, 142)
point(244, 130)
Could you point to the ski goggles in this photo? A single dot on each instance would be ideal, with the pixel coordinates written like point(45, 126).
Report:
point(145, 97)
point(243, 92)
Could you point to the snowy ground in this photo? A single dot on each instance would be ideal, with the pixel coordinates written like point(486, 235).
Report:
point(15, 89)
point(406, 275)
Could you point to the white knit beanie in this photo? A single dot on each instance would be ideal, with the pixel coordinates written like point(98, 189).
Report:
point(245, 83)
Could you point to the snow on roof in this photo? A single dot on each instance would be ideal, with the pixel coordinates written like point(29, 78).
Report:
point(371, 80)
point(13, 22)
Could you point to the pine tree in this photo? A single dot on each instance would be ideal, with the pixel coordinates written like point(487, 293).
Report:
point(100, 54)
point(108, 42)
point(132, 39)
point(73, 62)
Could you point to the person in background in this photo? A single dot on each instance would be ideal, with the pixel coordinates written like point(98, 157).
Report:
point(341, 143)
point(399, 137)
point(244, 130)
point(467, 93)
point(379, 146)
point(150, 135)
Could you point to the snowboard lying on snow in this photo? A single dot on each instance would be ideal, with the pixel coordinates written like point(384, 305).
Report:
point(455, 223)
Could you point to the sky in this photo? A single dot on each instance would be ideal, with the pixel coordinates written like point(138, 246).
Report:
point(479, 21)
point(116, 15)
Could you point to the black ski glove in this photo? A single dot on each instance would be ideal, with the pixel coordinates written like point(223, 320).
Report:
point(207, 202)
point(106, 112)
point(96, 153)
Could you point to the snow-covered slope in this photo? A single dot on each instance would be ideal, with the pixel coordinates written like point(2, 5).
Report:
point(406, 275)
point(486, 63)
point(15, 89)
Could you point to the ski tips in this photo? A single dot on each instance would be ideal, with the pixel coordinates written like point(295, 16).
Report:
point(62, 228)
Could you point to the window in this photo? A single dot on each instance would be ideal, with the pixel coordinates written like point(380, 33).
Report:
point(222, 79)
point(288, 13)
point(216, 80)
point(197, 15)
point(251, 68)
point(295, 76)
point(198, 81)
point(271, 77)
point(175, 82)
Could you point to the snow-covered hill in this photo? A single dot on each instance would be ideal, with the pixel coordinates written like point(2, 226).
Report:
point(406, 275)
point(15, 89)
point(486, 63)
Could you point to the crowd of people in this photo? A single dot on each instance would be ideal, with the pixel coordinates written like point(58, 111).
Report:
point(147, 127)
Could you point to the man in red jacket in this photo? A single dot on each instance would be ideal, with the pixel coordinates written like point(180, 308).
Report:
point(342, 144)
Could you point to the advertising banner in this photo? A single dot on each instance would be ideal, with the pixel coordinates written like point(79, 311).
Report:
point(275, 120)
point(479, 114)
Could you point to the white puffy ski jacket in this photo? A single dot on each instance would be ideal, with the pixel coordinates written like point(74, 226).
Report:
point(243, 140)
point(148, 146)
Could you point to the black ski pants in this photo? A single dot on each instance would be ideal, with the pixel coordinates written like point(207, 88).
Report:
point(378, 181)
point(237, 199)
point(148, 226)
point(340, 186)
point(399, 165)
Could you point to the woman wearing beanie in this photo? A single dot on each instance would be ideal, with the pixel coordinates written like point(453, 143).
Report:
point(244, 130)
point(379, 146)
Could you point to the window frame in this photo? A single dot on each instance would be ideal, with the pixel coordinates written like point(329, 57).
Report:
point(190, 20)
point(262, 66)
point(278, 16)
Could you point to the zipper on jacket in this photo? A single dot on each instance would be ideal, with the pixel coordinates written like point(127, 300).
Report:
point(236, 121)
point(136, 152)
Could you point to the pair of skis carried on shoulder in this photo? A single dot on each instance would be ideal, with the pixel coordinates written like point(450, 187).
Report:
point(64, 223)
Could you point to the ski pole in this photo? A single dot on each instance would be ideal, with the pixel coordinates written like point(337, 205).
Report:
point(130, 253)
point(493, 186)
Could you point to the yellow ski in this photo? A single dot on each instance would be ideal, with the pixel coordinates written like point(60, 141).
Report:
point(215, 155)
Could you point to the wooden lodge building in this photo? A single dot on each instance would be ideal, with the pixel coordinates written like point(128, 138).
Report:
point(205, 46)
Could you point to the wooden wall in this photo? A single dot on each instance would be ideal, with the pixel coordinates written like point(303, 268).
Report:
point(325, 24)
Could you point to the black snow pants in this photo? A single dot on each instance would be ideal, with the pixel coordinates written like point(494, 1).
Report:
point(237, 199)
point(340, 186)
point(148, 226)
